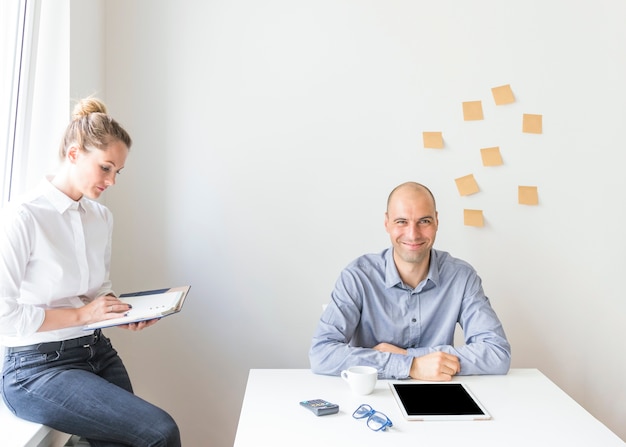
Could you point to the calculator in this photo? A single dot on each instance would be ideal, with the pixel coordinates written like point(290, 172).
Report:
point(320, 407)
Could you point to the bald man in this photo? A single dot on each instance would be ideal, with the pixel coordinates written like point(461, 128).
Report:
point(397, 310)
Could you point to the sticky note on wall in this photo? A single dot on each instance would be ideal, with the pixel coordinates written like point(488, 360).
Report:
point(467, 185)
point(527, 195)
point(472, 110)
point(503, 95)
point(473, 218)
point(433, 140)
point(491, 156)
point(532, 123)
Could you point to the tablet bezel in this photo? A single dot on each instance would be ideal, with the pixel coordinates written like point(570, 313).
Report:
point(439, 417)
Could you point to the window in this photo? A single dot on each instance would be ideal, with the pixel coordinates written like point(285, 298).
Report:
point(17, 22)
point(11, 26)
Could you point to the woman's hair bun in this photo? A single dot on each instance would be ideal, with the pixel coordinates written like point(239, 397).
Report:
point(91, 128)
point(87, 106)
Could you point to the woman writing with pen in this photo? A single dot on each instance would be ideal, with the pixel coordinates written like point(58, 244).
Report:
point(55, 251)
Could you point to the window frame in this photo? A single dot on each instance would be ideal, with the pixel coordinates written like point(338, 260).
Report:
point(19, 51)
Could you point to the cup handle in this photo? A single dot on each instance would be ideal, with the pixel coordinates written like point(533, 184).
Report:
point(344, 375)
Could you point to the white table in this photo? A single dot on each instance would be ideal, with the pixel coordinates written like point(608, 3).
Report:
point(527, 409)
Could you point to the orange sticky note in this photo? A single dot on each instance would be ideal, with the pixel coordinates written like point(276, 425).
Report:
point(433, 140)
point(467, 185)
point(532, 123)
point(527, 195)
point(473, 218)
point(472, 110)
point(503, 95)
point(491, 156)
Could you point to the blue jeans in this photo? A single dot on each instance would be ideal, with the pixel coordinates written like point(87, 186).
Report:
point(84, 391)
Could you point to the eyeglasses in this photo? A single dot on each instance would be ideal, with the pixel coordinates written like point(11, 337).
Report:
point(376, 420)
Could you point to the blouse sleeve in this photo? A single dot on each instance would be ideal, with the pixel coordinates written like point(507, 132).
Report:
point(16, 238)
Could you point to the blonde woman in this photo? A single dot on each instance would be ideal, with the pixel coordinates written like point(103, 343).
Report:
point(55, 251)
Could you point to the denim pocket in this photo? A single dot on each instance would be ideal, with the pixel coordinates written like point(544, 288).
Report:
point(29, 364)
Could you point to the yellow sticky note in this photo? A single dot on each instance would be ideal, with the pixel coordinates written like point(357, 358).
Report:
point(473, 218)
point(491, 156)
point(472, 110)
point(532, 123)
point(433, 140)
point(503, 95)
point(467, 185)
point(527, 195)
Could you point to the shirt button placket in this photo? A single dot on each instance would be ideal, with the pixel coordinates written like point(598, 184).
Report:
point(415, 327)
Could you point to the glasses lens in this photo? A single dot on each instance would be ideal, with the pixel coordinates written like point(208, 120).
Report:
point(378, 421)
point(362, 412)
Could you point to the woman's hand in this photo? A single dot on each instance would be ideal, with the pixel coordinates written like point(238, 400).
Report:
point(139, 325)
point(104, 307)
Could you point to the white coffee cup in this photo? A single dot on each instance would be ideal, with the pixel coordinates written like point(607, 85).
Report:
point(362, 379)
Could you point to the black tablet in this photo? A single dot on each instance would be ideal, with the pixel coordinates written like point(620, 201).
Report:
point(447, 401)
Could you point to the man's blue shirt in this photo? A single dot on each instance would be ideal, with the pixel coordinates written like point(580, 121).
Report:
point(370, 305)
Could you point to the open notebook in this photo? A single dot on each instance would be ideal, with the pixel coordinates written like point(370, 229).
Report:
point(147, 305)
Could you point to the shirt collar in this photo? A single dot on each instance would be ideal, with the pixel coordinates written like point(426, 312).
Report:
point(433, 269)
point(59, 200)
point(392, 277)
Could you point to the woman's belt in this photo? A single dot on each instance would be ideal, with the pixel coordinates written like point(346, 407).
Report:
point(52, 346)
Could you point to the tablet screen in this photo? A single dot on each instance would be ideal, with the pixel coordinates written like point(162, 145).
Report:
point(448, 401)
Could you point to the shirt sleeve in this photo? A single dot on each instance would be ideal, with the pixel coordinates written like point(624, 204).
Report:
point(16, 235)
point(331, 351)
point(486, 349)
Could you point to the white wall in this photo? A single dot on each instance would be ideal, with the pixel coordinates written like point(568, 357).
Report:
point(87, 49)
point(268, 135)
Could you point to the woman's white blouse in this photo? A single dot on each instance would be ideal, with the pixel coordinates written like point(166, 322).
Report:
point(54, 253)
